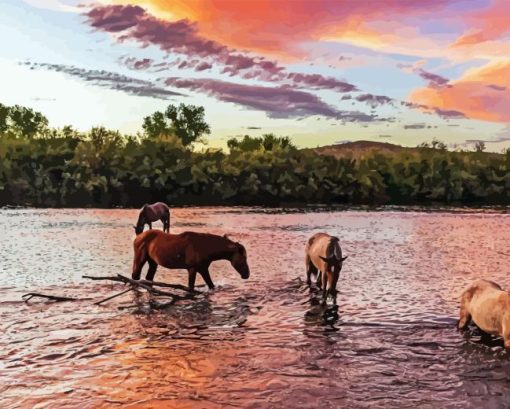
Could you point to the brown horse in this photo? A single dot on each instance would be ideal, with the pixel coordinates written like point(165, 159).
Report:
point(188, 250)
point(324, 255)
point(151, 213)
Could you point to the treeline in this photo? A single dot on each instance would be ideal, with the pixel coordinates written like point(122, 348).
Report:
point(42, 166)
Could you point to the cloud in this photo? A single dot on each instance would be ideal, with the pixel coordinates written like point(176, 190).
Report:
point(434, 80)
point(182, 37)
point(317, 81)
point(111, 80)
point(270, 26)
point(490, 23)
point(415, 126)
point(449, 113)
point(277, 102)
point(481, 93)
point(137, 64)
point(374, 100)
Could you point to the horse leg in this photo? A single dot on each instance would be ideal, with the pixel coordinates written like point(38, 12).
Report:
point(310, 269)
point(138, 263)
point(192, 275)
point(325, 291)
point(319, 280)
point(207, 278)
point(150, 225)
point(465, 317)
point(332, 287)
point(152, 270)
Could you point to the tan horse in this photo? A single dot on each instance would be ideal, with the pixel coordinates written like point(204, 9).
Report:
point(189, 250)
point(324, 255)
point(488, 306)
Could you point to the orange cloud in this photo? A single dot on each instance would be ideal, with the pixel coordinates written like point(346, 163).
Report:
point(280, 27)
point(482, 93)
point(489, 24)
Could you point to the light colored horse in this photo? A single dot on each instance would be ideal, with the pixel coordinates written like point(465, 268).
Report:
point(152, 212)
point(488, 305)
point(324, 256)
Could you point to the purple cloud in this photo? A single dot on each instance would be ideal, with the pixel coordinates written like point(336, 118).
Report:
point(415, 126)
point(316, 81)
point(137, 64)
point(114, 19)
point(449, 113)
point(435, 81)
point(279, 102)
point(374, 100)
point(111, 80)
point(497, 87)
point(182, 37)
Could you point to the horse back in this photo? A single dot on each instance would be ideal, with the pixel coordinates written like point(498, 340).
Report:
point(322, 245)
point(155, 211)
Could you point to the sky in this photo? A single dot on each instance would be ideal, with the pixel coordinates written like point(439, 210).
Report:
point(321, 72)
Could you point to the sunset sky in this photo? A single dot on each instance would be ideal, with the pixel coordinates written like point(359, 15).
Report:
point(399, 71)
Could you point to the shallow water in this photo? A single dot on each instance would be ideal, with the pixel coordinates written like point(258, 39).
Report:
point(259, 343)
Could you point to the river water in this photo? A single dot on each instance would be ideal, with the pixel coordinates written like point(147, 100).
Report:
point(257, 343)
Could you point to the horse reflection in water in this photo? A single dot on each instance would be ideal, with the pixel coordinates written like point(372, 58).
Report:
point(189, 250)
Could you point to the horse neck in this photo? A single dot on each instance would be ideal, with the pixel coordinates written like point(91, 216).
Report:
point(330, 250)
point(222, 253)
point(141, 218)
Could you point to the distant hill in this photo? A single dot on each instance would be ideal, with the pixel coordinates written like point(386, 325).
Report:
point(359, 148)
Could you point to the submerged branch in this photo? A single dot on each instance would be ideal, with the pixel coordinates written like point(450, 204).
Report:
point(57, 298)
point(134, 285)
point(113, 296)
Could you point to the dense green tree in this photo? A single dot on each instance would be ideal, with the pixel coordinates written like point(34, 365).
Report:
point(64, 167)
point(26, 121)
point(185, 121)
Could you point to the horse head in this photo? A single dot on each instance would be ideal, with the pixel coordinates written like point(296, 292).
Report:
point(239, 258)
point(334, 262)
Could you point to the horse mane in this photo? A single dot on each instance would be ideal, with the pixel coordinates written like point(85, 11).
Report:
point(141, 213)
point(333, 242)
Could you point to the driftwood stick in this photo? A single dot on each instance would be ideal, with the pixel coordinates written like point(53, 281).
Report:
point(123, 279)
point(161, 284)
point(147, 287)
point(133, 286)
point(113, 296)
point(110, 278)
point(28, 296)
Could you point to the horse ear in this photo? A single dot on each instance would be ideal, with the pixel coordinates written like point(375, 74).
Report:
point(343, 258)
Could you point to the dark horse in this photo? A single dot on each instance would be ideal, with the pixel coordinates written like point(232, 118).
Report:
point(151, 213)
point(188, 250)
